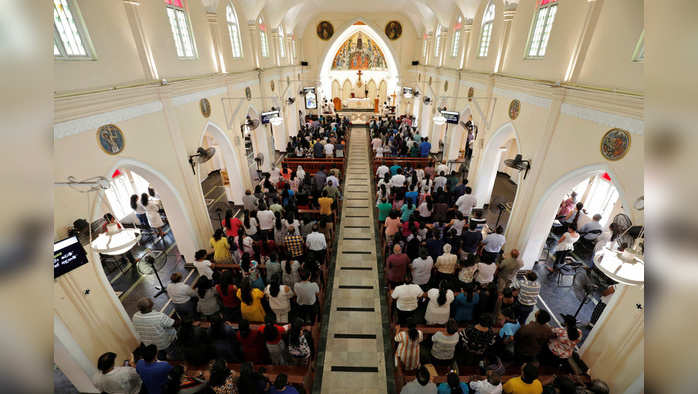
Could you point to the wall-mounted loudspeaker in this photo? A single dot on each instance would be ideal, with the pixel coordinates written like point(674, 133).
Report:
point(415, 62)
point(304, 63)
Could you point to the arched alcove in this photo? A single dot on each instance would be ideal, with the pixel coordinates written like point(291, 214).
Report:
point(391, 74)
point(230, 161)
point(539, 222)
point(489, 162)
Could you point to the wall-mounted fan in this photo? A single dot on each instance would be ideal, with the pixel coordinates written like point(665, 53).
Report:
point(291, 100)
point(201, 156)
point(427, 100)
point(518, 163)
point(252, 123)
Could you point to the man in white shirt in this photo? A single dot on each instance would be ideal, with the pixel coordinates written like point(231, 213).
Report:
point(317, 245)
point(266, 220)
point(466, 202)
point(407, 300)
point(397, 180)
point(110, 379)
point(203, 266)
point(306, 296)
point(493, 244)
point(440, 181)
point(329, 150)
point(442, 168)
point(421, 269)
point(376, 143)
point(381, 171)
point(181, 293)
point(491, 385)
point(153, 327)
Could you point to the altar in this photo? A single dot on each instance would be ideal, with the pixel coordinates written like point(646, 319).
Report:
point(358, 103)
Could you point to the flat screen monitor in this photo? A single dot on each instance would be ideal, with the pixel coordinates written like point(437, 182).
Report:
point(266, 116)
point(310, 98)
point(68, 255)
point(451, 117)
point(407, 92)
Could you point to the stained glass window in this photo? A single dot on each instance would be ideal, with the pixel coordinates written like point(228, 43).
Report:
point(264, 44)
point(233, 30)
point(70, 37)
point(180, 28)
point(486, 34)
point(456, 37)
point(542, 24)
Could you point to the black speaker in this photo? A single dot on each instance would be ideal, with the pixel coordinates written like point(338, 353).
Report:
point(304, 63)
point(415, 62)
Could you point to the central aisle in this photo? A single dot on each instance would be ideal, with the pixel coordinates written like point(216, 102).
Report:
point(354, 353)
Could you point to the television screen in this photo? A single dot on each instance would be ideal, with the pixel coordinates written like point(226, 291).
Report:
point(68, 254)
point(310, 98)
point(266, 116)
point(451, 117)
point(407, 92)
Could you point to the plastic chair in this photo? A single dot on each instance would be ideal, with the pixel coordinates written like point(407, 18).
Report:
point(568, 269)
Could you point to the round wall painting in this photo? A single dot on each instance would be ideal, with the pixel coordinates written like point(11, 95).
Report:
point(325, 30)
point(393, 30)
point(248, 93)
point(471, 93)
point(514, 109)
point(615, 144)
point(205, 106)
point(111, 139)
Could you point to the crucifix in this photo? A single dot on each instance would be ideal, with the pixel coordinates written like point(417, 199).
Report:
point(358, 83)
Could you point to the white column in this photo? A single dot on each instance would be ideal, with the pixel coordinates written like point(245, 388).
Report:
point(212, 19)
point(454, 138)
point(584, 40)
point(261, 145)
point(504, 42)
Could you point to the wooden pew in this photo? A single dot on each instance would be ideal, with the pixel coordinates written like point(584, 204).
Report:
point(414, 162)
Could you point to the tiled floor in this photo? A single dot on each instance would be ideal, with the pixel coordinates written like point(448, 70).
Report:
point(354, 358)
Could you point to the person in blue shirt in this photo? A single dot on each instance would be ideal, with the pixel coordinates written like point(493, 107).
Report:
point(281, 385)
point(153, 373)
point(425, 147)
point(413, 195)
point(453, 385)
point(465, 303)
point(508, 330)
point(394, 168)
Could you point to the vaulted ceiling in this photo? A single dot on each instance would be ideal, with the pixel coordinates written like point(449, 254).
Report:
point(425, 15)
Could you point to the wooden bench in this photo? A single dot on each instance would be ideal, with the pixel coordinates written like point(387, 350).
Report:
point(414, 162)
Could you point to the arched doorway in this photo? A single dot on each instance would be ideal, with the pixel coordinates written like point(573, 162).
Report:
point(498, 148)
point(127, 177)
point(216, 174)
point(540, 222)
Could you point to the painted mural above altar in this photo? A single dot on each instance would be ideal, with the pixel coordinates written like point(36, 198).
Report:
point(359, 52)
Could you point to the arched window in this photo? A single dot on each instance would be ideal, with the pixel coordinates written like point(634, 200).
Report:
point(264, 44)
point(456, 36)
point(282, 49)
point(293, 48)
point(181, 33)
point(542, 23)
point(233, 30)
point(424, 48)
point(437, 44)
point(70, 39)
point(486, 34)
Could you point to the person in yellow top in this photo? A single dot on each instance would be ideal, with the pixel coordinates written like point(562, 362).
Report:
point(527, 383)
point(221, 247)
point(325, 203)
point(251, 302)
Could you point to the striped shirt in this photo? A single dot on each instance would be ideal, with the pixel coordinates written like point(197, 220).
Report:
point(154, 328)
point(408, 350)
point(528, 291)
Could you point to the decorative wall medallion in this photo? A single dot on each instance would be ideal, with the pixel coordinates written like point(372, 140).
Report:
point(248, 93)
point(393, 30)
point(111, 139)
point(272, 85)
point(514, 109)
point(471, 93)
point(615, 144)
point(325, 30)
point(445, 86)
point(205, 107)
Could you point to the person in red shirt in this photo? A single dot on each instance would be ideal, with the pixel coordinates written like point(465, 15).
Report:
point(251, 343)
point(231, 224)
point(226, 291)
point(273, 337)
point(396, 267)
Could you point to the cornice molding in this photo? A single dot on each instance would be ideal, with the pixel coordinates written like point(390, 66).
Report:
point(93, 122)
point(635, 126)
point(524, 97)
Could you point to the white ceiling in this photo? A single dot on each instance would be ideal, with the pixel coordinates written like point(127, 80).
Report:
point(296, 14)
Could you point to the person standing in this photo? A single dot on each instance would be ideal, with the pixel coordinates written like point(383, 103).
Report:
point(249, 201)
point(153, 373)
point(565, 246)
point(153, 327)
point(527, 290)
point(152, 212)
point(250, 302)
point(422, 383)
point(507, 270)
point(306, 296)
point(317, 245)
point(181, 295)
point(407, 296)
point(530, 339)
point(266, 219)
point(492, 245)
point(202, 265)
point(279, 297)
point(439, 306)
point(444, 344)
point(396, 267)
point(221, 247)
point(117, 380)
point(421, 269)
point(408, 342)
point(527, 383)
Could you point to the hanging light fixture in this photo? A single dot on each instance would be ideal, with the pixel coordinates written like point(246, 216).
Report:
point(439, 119)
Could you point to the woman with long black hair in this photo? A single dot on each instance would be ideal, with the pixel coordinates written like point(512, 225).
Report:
point(227, 293)
point(152, 212)
point(251, 302)
point(140, 210)
point(299, 346)
point(221, 247)
point(273, 338)
point(279, 297)
point(439, 306)
point(231, 224)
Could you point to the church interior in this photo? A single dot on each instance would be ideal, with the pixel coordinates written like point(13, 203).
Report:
point(367, 196)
